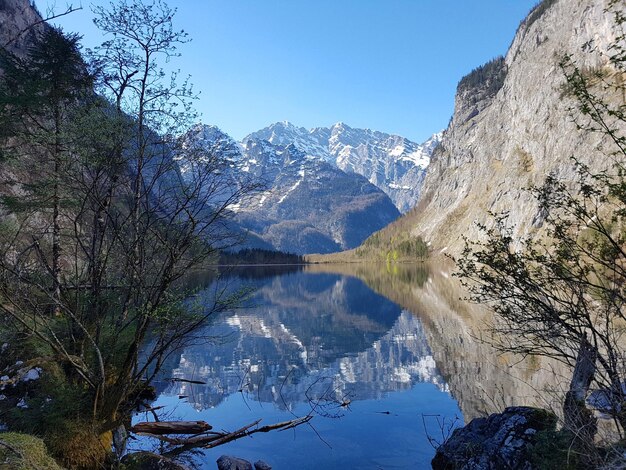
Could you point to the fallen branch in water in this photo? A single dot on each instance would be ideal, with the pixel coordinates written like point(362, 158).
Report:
point(208, 440)
point(188, 381)
point(171, 427)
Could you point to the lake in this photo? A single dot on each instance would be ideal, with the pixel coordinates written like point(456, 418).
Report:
point(385, 359)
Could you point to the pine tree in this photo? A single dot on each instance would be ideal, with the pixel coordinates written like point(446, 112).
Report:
point(38, 95)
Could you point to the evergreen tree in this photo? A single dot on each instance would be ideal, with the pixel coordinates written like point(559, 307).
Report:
point(38, 95)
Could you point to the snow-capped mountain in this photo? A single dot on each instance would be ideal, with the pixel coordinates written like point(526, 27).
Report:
point(391, 162)
point(312, 142)
point(214, 141)
point(308, 206)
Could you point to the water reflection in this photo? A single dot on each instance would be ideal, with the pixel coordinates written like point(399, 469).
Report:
point(482, 380)
point(394, 341)
point(304, 336)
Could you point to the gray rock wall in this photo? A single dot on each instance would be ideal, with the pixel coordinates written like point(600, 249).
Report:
point(16, 16)
point(498, 145)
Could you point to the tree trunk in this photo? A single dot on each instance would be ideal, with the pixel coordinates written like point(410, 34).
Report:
point(56, 227)
point(578, 418)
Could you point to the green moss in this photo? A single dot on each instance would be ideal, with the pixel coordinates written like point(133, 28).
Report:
point(543, 420)
point(79, 446)
point(552, 451)
point(24, 452)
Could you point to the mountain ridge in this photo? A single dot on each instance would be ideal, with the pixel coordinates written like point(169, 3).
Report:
point(308, 204)
point(393, 163)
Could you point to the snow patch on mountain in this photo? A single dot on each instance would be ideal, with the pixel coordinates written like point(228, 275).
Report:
point(310, 205)
point(391, 162)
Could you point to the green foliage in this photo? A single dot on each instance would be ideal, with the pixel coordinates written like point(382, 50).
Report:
point(102, 227)
point(393, 248)
point(38, 92)
point(552, 450)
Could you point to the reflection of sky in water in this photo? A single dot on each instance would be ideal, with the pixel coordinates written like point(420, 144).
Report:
point(317, 340)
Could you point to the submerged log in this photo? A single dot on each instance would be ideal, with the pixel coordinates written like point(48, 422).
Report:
point(171, 427)
point(188, 381)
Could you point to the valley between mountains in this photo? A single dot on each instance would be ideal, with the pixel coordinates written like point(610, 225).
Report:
point(167, 289)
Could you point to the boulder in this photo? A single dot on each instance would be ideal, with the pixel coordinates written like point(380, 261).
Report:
point(260, 465)
point(228, 462)
point(503, 440)
point(150, 461)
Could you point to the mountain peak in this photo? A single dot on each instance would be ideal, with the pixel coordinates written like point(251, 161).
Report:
point(341, 126)
point(209, 136)
point(282, 124)
point(392, 162)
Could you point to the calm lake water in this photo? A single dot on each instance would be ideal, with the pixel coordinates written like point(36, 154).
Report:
point(383, 357)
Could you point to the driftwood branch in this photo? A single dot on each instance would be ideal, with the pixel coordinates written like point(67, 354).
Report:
point(171, 427)
point(208, 440)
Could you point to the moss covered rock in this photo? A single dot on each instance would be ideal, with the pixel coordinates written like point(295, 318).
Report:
point(503, 440)
point(24, 452)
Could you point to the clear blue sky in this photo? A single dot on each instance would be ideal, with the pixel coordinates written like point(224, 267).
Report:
point(389, 65)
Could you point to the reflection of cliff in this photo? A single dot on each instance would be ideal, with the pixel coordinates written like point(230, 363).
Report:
point(479, 379)
point(309, 335)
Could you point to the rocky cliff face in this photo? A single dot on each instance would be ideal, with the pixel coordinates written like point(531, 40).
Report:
point(310, 206)
point(513, 125)
point(16, 19)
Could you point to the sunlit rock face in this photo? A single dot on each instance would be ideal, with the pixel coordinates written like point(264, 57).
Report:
point(310, 336)
point(514, 127)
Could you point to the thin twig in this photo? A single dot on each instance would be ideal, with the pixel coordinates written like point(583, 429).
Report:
point(70, 9)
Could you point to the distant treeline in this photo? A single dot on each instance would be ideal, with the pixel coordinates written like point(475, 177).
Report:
point(537, 12)
point(259, 256)
point(393, 246)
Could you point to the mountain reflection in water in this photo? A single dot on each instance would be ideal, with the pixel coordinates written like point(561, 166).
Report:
point(392, 342)
point(303, 335)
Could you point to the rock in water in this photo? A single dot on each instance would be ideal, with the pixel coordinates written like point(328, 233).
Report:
point(260, 465)
point(228, 462)
point(150, 461)
point(500, 441)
